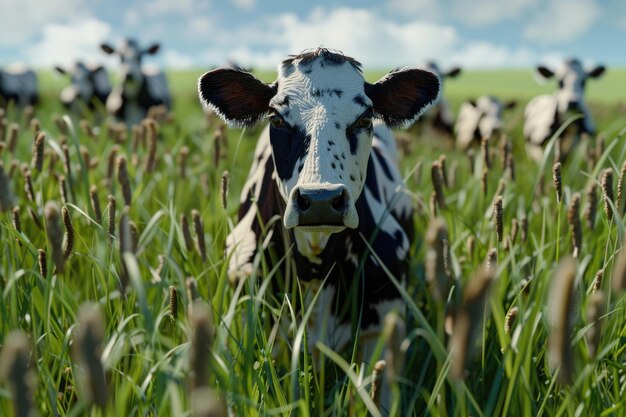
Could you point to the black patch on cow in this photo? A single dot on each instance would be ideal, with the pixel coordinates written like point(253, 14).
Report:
point(353, 139)
point(331, 143)
point(371, 181)
point(337, 125)
point(284, 102)
point(288, 146)
point(360, 100)
point(333, 165)
point(338, 92)
point(383, 164)
point(343, 155)
point(336, 157)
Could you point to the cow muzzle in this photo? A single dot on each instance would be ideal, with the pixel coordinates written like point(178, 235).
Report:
point(326, 207)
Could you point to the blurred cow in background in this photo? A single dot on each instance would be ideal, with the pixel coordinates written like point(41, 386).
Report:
point(439, 116)
point(18, 84)
point(479, 119)
point(546, 113)
point(140, 88)
point(89, 86)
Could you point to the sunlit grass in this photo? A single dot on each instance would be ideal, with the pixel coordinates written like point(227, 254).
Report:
point(256, 360)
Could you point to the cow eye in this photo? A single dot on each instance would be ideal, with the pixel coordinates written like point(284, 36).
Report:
point(364, 122)
point(277, 122)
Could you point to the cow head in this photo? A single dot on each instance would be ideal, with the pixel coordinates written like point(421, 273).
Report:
point(571, 77)
point(320, 112)
point(81, 87)
point(432, 66)
point(490, 110)
point(131, 55)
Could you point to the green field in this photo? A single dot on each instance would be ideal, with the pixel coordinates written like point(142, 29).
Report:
point(226, 351)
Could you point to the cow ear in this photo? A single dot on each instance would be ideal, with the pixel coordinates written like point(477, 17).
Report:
point(545, 72)
point(596, 72)
point(107, 48)
point(402, 95)
point(510, 104)
point(153, 49)
point(60, 70)
point(236, 96)
point(453, 72)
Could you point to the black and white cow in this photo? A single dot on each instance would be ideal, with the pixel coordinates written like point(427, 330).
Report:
point(322, 166)
point(440, 116)
point(545, 114)
point(18, 84)
point(140, 88)
point(478, 119)
point(89, 86)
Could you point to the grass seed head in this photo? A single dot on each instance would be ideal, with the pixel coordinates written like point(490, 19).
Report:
point(224, 188)
point(67, 163)
point(498, 217)
point(484, 150)
point(573, 218)
point(484, 179)
point(510, 319)
point(468, 319)
point(199, 229)
point(89, 338)
point(607, 191)
point(6, 196)
point(514, 230)
point(524, 228)
point(17, 224)
point(561, 311)
point(437, 273)
point(202, 340)
point(38, 151)
point(184, 225)
point(596, 308)
point(16, 369)
point(510, 167)
point(438, 182)
point(110, 209)
point(54, 234)
point(182, 161)
point(14, 132)
point(95, 203)
point(592, 203)
point(444, 170)
point(69, 233)
point(173, 302)
point(377, 381)
point(393, 334)
point(596, 284)
point(29, 189)
point(43, 263)
point(123, 179)
point(63, 189)
point(557, 181)
point(621, 204)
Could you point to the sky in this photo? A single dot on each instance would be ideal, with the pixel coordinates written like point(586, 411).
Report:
point(381, 34)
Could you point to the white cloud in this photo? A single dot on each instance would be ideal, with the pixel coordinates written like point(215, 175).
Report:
point(562, 21)
point(22, 20)
point(64, 44)
point(174, 59)
point(486, 12)
point(384, 45)
point(488, 55)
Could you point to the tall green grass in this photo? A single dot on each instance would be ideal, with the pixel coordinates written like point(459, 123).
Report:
point(255, 360)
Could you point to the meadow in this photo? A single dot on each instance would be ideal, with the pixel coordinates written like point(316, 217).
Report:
point(116, 299)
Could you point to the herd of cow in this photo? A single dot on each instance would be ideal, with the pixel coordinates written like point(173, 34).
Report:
point(143, 87)
point(139, 88)
point(325, 164)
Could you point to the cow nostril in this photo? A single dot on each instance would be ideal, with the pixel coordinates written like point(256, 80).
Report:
point(303, 202)
point(338, 203)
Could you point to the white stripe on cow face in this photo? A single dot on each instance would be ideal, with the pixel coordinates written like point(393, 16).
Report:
point(321, 135)
point(571, 77)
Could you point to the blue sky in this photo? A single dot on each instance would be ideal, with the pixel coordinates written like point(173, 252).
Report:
point(381, 34)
